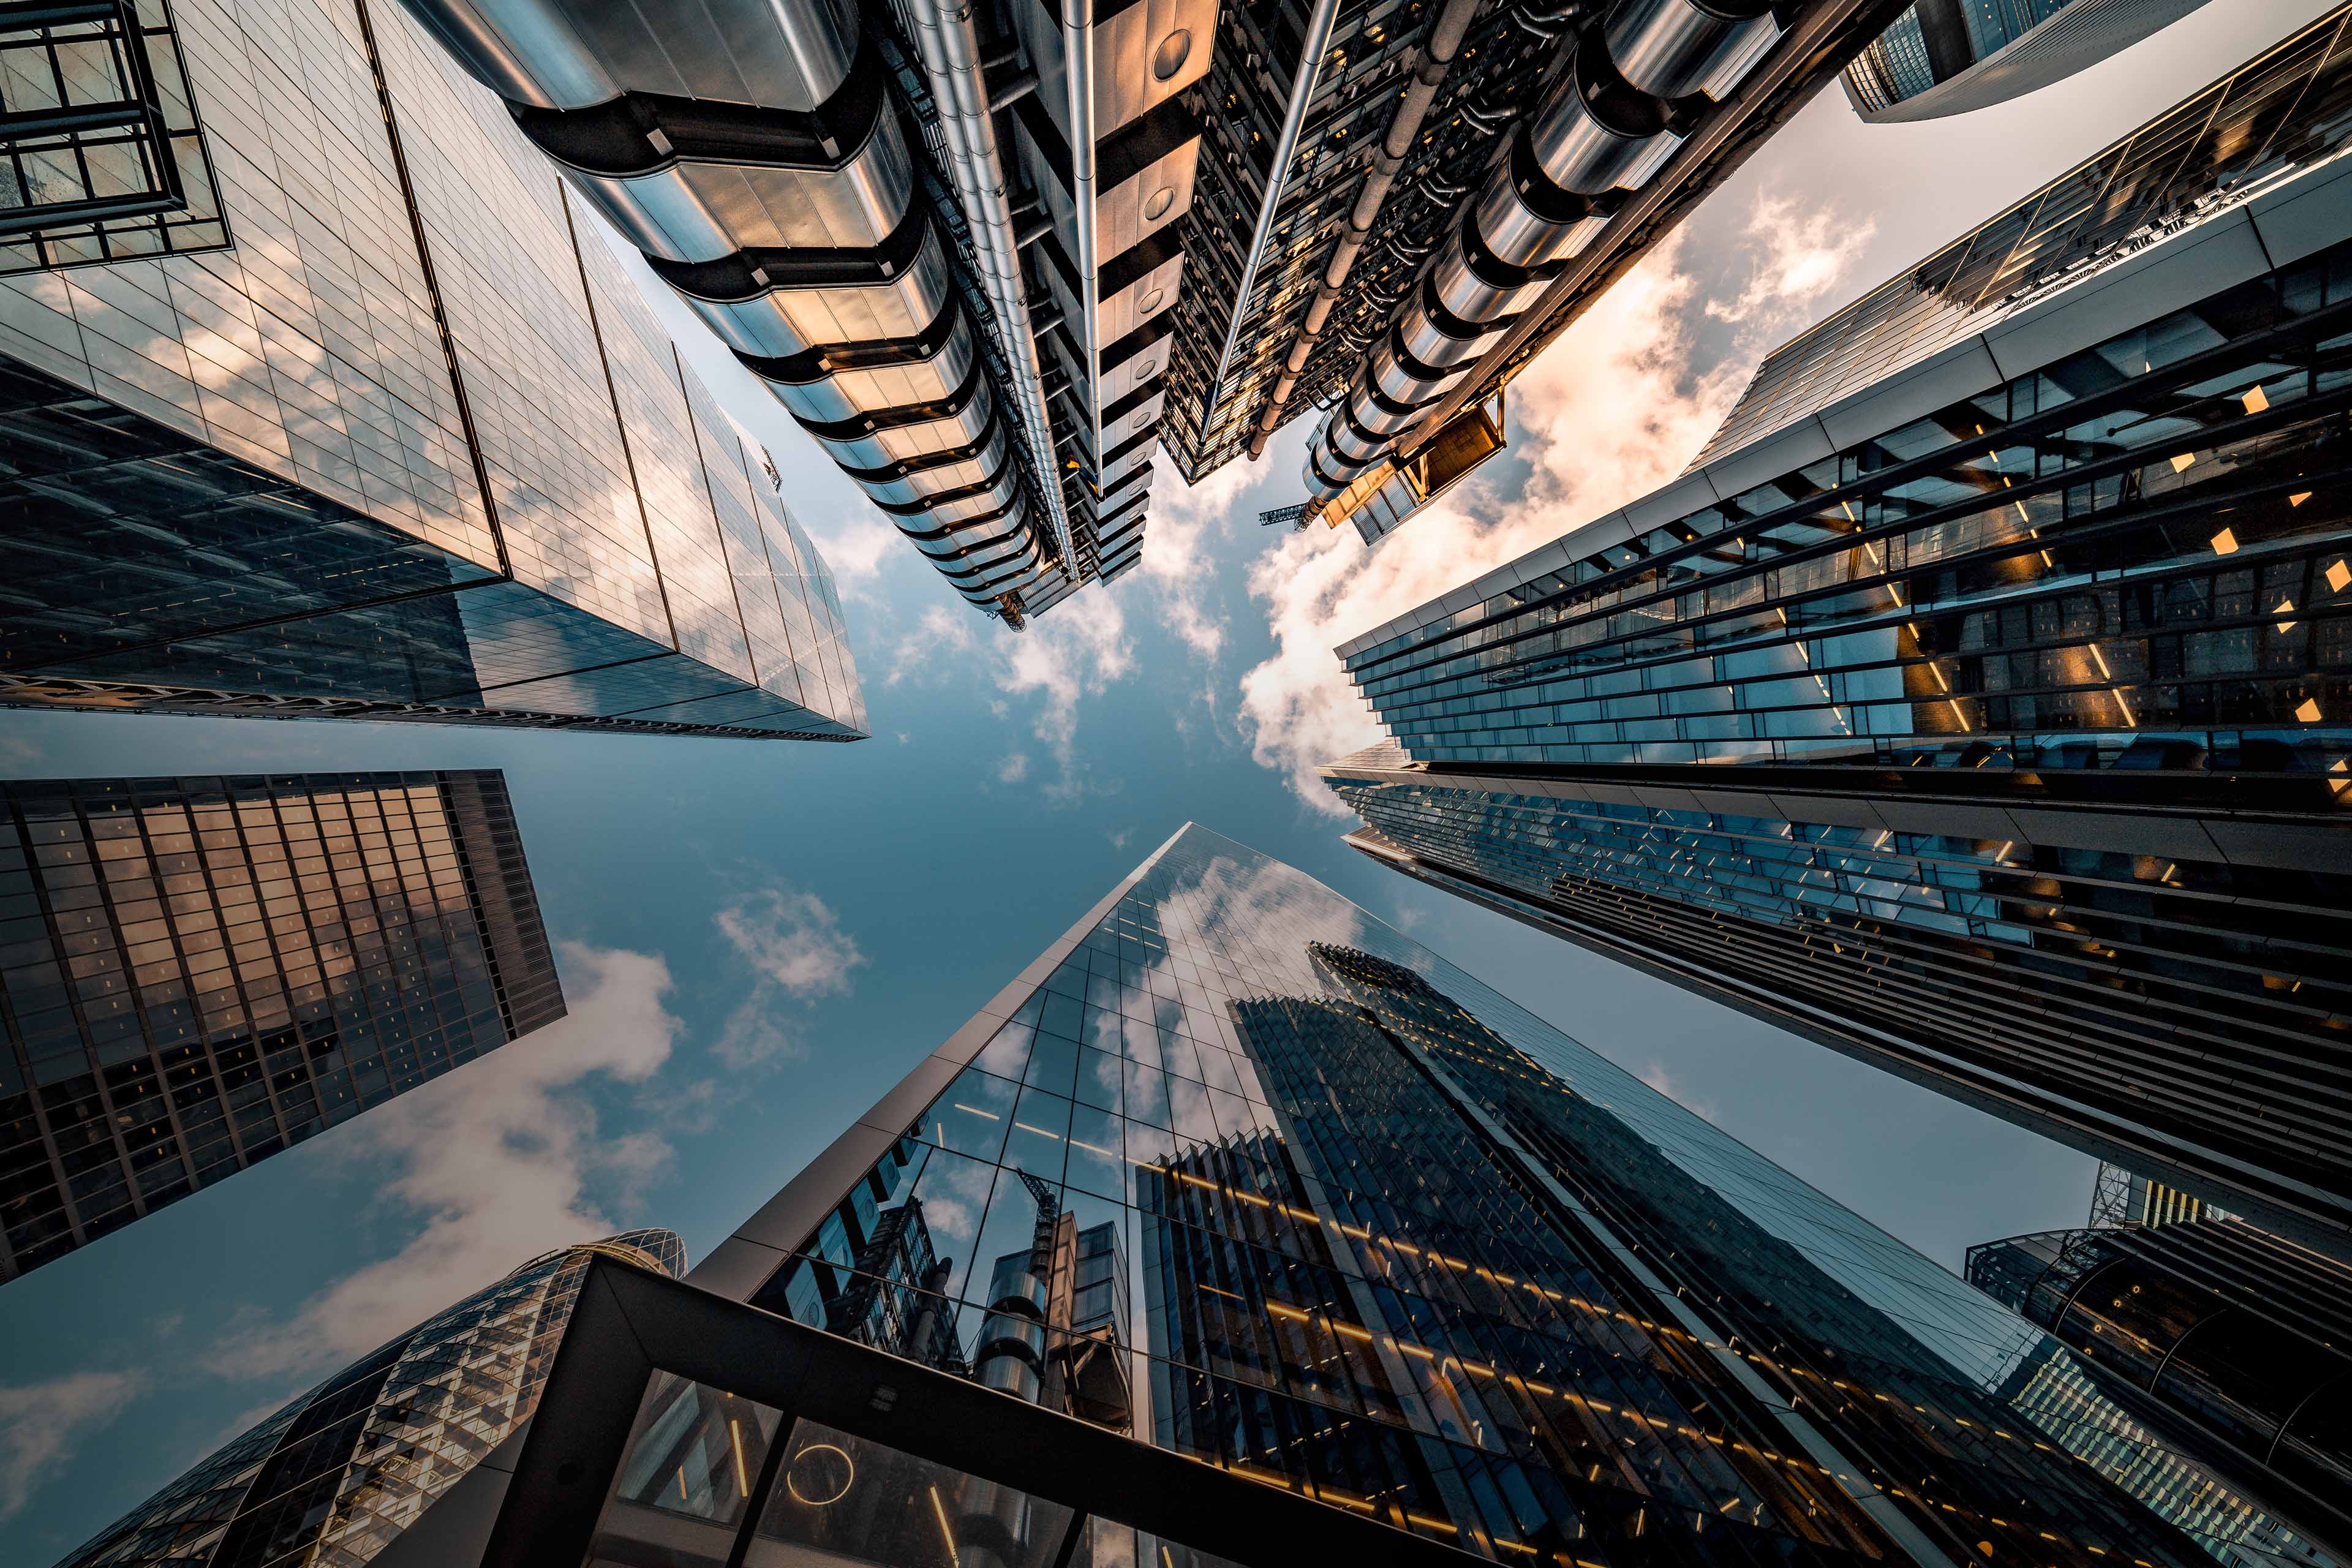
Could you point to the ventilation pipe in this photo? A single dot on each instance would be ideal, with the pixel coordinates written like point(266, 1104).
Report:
point(1435, 58)
point(1606, 130)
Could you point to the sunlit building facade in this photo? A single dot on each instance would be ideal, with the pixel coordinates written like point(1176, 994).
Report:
point(336, 1475)
point(198, 973)
point(2238, 1344)
point(1988, 718)
point(372, 423)
point(1410, 1274)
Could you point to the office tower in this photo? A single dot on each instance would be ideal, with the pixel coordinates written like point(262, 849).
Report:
point(2237, 1344)
point(1415, 1277)
point(1948, 56)
point(347, 409)
point(1977, 707)
point(199, 972)
point(340, 1472)
point(939, 234)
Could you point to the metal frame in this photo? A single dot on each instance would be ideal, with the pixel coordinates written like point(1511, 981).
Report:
point(142, 113)
point(629, 1324)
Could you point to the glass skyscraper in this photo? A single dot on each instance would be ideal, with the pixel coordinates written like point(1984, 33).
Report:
point(2237, 1342)
point(373, 425)
point(1989, 718)
point(1374, 1242)
point(338, 1474)
point(195, 973)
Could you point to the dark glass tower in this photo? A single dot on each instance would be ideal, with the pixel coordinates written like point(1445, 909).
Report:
point(2238, 1344)
point(199, 972)
point(336, 1475)
point(1397, 1256)
point(1987, 716)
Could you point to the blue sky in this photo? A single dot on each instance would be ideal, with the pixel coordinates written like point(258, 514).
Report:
point(758, 939)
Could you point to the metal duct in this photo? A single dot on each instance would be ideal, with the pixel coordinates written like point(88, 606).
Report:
point(751, 149)
point(1444, 43)
point(1607, 129)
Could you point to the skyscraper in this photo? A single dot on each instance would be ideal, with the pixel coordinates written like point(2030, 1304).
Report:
point(199, 972)
point(1948, 56)
point(1413, 1267)
point(1979, 707)
point(353, 413)
point(2238, 1344)
point(337, 1475)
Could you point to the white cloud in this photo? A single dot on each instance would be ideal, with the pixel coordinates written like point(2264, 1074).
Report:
point(42, 1424)
point(1014, 768)
point(1080, 648)
point(1615, 408)
point(796, 949)
point(1175, 564)
point(941, 637)
point(1796, 258)
point(1656, 1076)
point(857, 554)
point(498, 1157)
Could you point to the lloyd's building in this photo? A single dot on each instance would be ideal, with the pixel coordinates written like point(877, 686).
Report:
point(1979, 702)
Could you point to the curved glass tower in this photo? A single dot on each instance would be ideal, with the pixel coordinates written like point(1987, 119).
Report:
point(339, 1473)
point(1948, 56)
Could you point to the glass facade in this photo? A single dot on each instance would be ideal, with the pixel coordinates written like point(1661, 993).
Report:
point(2281, 114)
point(336, 1475)
point(2005, 748)
point(413, 449)
point(1388, 1242)
point(2223, 1334)
point(196, 972)
point(99, 154)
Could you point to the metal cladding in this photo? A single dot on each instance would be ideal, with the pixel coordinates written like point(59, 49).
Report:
point(1637, 82)
point(847, 201)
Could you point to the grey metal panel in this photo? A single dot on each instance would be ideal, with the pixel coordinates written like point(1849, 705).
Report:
point(2121, 832)
point(1963, 370)
point(1836, 811)
point(2248, 843)
point(2204, 260)
point(1692, 492)
point(2306, 217)
point(1952, 818)
point(1784, 451)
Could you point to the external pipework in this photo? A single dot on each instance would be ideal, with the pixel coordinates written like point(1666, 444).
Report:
point(1435, 57)
point(751, 151)
point(1313, 48)
point(1637, 83)
point(950, 51)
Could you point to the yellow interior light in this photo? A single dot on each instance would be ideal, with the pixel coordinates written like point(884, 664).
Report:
point(2180, 463)
point(2280, 608)
point(2339, 576)
point(2255, 401)
point(2225, 543)
point(2298, 497)
point(2309, 712)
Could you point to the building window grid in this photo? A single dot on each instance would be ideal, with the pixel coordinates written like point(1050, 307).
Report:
point(1132, 937)
point(2279, 385)
point(200, 1029)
